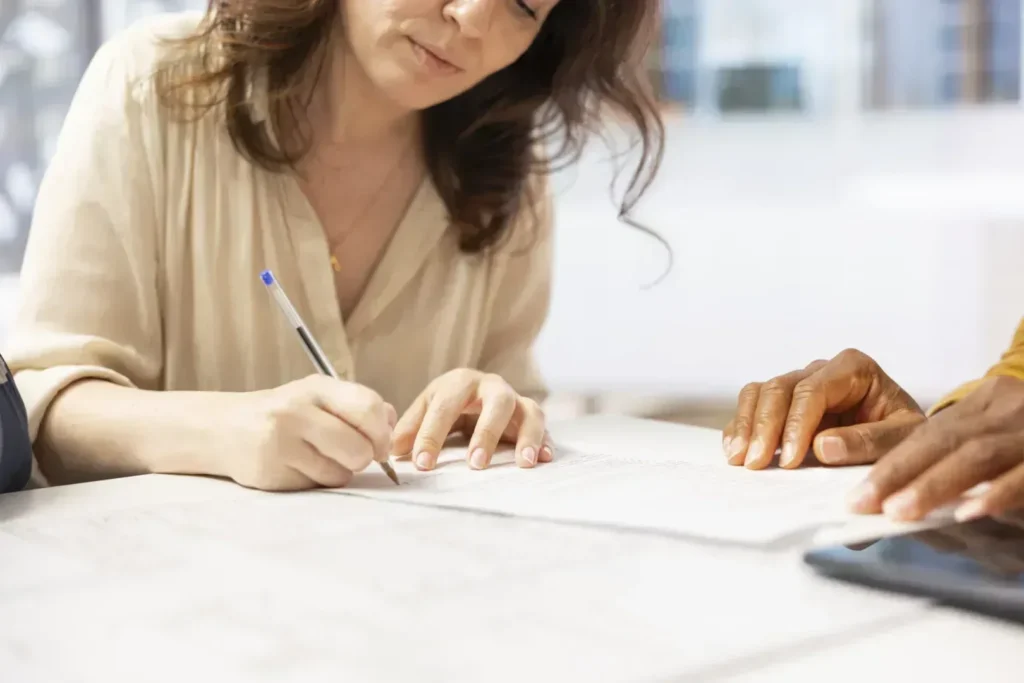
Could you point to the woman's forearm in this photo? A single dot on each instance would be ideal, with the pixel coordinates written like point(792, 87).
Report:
point(98, 430)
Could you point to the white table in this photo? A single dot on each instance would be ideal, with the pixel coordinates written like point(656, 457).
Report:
point(166, 578)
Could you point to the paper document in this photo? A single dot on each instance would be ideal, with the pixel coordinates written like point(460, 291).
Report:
point(663, 478)
point(228, 585)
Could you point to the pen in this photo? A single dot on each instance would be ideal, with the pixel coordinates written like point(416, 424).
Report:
point(313, 350)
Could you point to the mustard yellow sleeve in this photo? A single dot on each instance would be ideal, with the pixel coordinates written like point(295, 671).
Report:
point(521, 298)
point(1011, 365)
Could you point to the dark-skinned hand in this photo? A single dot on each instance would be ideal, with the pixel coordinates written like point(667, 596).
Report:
point(847, 411)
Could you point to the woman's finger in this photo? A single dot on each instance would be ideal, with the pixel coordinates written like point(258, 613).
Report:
point(359, 406)
point(532, 432)
point(310, 464)
point(547, 451)
point(336, 440)
point(446, 406)
point(403, 437)
point(498, 406)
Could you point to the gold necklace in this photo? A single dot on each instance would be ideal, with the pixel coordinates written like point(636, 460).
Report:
point(333, 248)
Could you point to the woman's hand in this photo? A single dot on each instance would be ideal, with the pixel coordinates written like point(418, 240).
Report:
point(477, 404)
point(313, 432)
point(848, 408)
point(978, 440)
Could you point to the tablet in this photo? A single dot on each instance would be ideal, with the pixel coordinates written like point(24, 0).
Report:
point(978, 566)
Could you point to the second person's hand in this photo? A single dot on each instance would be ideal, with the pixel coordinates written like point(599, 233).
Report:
point(482, 406)
point(847, 409)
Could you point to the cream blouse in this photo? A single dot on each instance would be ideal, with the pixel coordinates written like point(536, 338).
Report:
point(149, 235)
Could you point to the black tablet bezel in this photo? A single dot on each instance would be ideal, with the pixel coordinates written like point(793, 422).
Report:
point(973, 593)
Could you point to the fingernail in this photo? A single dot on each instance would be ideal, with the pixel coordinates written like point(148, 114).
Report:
point(424, 461)
point(833, 450)
point(479, 459)
point(755, 454)
point(788, 456)
point(737, 447)
point(530, 456)
point(970, 511)
point(903, 505)
point(725, 444)
point(547, 453)
point(864, 497)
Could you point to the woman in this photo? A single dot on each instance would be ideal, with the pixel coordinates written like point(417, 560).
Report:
point(381, 158)
point(847, 411)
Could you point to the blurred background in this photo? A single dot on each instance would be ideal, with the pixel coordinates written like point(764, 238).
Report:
point(838, 173)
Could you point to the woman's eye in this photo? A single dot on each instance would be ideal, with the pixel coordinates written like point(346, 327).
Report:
point(529, 11)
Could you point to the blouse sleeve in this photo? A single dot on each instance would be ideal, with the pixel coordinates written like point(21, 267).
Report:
point(88, 300)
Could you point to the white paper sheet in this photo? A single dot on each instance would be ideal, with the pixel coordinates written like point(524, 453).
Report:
point(255, 587)
point(657, 477)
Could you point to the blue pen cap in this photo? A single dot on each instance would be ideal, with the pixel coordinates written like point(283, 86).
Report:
point(267, 277)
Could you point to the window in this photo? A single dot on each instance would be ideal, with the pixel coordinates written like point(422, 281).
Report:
point(679, 51)
point(759, 88)
point(951, 89)
point(44, 48)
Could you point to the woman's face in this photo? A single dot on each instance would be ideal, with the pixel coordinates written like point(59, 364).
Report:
point(419, 53)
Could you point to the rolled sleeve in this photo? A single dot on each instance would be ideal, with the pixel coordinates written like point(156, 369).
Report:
point(1011, 365)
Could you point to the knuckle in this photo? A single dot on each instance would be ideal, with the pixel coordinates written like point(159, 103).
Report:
point(983, 452)
point(372, 412)
point(366, 399)
point(313, 384)
point(440, 407)
point(750, 390)
point(496, 380)
point(284, 413)
point(858, 359)
point(463, 376)
point(429, 442)
point(741, 425)
point(776, 386)
point(360, 457)
point(806, 388)
point(505, 401)
point(488, 434)
point(531, 408)
point(851, 354)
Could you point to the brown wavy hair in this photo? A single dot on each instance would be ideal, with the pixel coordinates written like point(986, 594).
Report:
point(481, 146)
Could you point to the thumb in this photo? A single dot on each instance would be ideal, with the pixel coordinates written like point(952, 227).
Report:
point(864, 444)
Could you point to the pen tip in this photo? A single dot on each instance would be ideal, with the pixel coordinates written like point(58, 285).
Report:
point(267, 277)
point(390, 471)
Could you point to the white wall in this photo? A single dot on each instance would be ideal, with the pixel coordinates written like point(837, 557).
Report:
point(902, 235)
